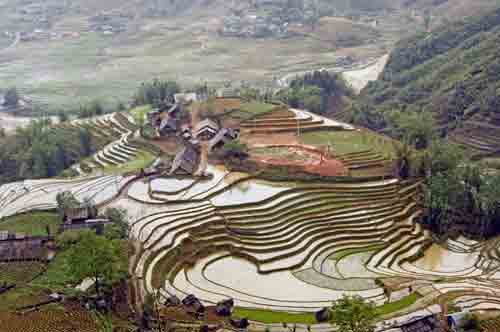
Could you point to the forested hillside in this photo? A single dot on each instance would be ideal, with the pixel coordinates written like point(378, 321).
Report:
point(452, 73)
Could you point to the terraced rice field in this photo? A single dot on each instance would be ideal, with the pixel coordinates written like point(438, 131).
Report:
point(300, 121)
point(120, 129)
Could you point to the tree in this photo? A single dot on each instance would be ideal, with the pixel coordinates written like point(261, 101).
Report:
point(353, 314)
point(11, 98)
point(98, 258)
point(66, 200)
point(119, 227)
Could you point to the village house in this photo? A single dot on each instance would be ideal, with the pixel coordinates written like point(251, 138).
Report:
point(206, 130)
point(224, 136)
point(18, 247)
point(430, 323)
point(186, 161)
point(168, 126)
point(164, 120)
point(82, 218)
point(185, 132)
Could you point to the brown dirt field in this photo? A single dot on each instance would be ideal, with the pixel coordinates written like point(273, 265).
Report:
point(169, 145)
point(178, 313)
point(317, 163)
point(72, 317)
point(253, 140)
point(225, 104)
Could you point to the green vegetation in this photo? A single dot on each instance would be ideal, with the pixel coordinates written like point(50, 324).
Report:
point(343, 142)
point(255, 108)
point(389, 308)
point(98, 258)
point(347, 252)
point(42, 150)
point(139, 113)
point(353, 314)
point(269, 316)
point(450, 75)
point(156, 93)
point(142, 160)
point(32, 224)
point(315, 91)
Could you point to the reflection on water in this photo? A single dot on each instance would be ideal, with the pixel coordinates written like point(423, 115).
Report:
point(440, 259)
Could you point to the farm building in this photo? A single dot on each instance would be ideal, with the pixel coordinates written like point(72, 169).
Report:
point(224, 136)
point(168, 126)
point(17, 247)
point(185, 162)
point(79, 214)
point(206, 129)
point(429, 323)
point(82, 218)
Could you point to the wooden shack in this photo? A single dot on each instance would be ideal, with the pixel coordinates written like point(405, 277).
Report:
point(18, 247)
point(206, 130)
point(185, 162)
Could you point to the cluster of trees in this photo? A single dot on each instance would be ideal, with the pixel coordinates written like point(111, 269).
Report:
point(459, 198)
point(156, 93)
point(314, 91)
point(87, 255)
point(453, 74)
point(41, 150)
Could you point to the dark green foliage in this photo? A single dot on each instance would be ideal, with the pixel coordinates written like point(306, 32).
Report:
point(452, 73)
point(95, 108)
point(353, 314)
point(98, 258)
point(156, 93)
point(42, 150)
point(119, 228)
point(314, 90)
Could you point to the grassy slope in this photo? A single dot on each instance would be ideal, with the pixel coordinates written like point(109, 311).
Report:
point(33, 224)
point(452, 72)
point(350, 141)
point(269, 316)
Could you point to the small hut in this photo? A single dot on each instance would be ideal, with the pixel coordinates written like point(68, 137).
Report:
point(185, 162)
point(224, 308)
point(224, 136)
point(206, 129)
point(324, 315)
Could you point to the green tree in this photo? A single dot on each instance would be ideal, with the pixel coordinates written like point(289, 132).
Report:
point(98, 258)
point(353, 314)
point(119, 227)
point(66, 200)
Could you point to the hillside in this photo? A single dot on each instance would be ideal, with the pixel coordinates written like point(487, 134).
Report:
point(61, 54)
point(452, 72)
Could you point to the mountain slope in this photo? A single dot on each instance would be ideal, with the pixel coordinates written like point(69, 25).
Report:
point(454, 72)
